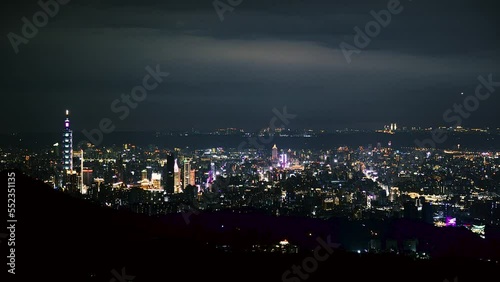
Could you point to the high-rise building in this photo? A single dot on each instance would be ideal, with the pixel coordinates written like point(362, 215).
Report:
point(275, 153)
point(168, 174)
point(213, 171)
point(145, 183)
point(88, 178)
point(156, 180)
point(78, 160)
point(67, 148)
point(72, 182)
point(177, 178)
point(427, 213)
point(427, 210)
point(283, 162)
point(192, 177)
point(186, 173)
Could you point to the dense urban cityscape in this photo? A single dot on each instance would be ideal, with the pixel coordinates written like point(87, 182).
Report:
point(237, 140)
point(452, 187)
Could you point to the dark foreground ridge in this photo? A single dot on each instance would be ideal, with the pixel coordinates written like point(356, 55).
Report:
point(61, 238)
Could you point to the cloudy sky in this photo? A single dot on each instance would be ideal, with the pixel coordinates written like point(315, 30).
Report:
point(264, 54)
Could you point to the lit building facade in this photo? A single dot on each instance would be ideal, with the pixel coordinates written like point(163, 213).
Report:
point(187, 173)
point(192, 177)
point(156, 180)
point(177, 178)
point(78, 160)
point(275, 153)
point(67, 146)
point(88, 176)
point(213, 170)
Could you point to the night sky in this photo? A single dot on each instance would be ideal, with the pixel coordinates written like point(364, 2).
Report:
point(265, 54)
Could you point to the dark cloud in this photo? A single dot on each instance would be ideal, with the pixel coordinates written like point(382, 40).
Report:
point(265, 54)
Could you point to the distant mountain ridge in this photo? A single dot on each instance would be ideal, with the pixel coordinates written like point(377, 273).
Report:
point(479, 141)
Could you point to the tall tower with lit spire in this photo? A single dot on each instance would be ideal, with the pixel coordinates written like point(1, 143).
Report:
point(67, 145)
point(275, 153)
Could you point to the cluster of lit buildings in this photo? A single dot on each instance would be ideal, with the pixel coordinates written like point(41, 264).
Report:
point(441, 187)
point(389, 129)
point(74, 177)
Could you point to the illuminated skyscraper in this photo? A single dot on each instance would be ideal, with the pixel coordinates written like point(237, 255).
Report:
point(67, 146)
point(283, 162)
point(78, 160)
point(211, 177)
point(275, 153)
point(156, 180)
point(187, 173)
point(192, 177)
point(177, 178)
point(213, 170)
point(88, 178)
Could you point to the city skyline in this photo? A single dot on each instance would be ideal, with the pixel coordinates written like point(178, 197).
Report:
point(365, 196)
point(250, 140)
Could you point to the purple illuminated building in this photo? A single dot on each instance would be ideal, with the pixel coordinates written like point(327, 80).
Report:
point(451, 221)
